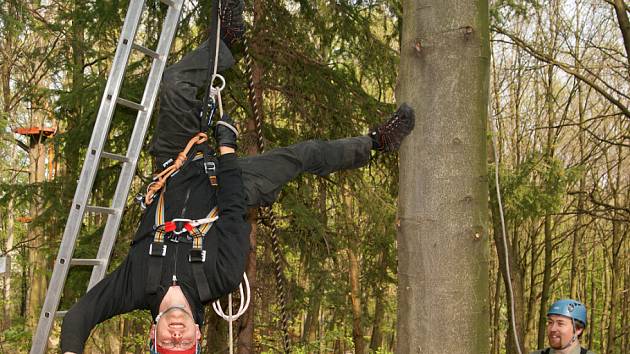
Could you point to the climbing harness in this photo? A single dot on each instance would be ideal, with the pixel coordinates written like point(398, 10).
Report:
point(175, 230)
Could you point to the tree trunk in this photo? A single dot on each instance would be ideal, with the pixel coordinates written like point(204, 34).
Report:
point(496, 338)
point(443, 277)
point(577, 247)
point(548, 157)
point(355, 297)
point(246, 324)
point(624, 26)
point(625, 315)
point(37, 257)
point(376, 340)
point(544, 294)
point(246, 334)
point(616, 247)
point(354, 275)
point(311, 323)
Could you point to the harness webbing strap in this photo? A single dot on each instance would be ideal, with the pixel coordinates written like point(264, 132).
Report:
point(197, 256)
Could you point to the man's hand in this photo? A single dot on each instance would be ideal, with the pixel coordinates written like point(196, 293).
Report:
point(225, 133)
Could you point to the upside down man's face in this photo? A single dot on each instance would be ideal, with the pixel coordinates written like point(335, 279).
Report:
point(176, 331)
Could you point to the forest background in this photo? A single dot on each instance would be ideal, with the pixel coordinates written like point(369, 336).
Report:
point(559, 98)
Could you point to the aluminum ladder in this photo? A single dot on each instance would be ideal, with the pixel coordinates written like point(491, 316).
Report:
point(95, 153)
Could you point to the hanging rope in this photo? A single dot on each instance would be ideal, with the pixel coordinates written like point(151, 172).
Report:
point(275, 244)
point(245, 297)
point(508, 275)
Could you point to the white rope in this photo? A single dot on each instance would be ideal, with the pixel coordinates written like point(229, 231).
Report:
point(230, 317)
point(230, 330)
point(245, 297)
point(505, 246)
point(216, 63)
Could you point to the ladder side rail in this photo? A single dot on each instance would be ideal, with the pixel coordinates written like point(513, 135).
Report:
point(88, 174)
point(141, 126)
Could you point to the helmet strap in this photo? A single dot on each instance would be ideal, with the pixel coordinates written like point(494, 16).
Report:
point(573, 338)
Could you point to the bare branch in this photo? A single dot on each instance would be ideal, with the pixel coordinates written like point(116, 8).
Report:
point(564, 67)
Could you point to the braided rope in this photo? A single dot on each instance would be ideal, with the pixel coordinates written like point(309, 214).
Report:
point(275, 244)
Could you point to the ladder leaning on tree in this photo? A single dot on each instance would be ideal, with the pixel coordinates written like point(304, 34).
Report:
point(95, 153)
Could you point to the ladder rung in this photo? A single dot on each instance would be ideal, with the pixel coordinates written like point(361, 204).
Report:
point(145, 50)
point(100, 210)
point(115, 156)
point(86, 262)
point(133, 105)
point(168, 2)
point(60, 314)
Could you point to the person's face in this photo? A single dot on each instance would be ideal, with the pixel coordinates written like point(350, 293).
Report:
point(560, 331)
point(177, 330)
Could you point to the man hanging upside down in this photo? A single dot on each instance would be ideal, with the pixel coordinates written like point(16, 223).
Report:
point(193, 239)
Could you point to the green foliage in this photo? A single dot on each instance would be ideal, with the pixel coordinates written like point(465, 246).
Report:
point(16, 338)
point(329, 71)
point(535, 188)
point(503, 10)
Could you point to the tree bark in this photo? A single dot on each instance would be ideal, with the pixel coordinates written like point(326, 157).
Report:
point(376, 340)
point(544, 294)
point(246, 324)
point(355, 297)
point(624, 26)
point(496, 342)
point(548, 246)
point(246, 334)
point(443, 277)
point(37, 257)
point(616, 266)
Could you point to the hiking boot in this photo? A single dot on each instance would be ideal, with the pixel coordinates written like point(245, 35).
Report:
point(232, 23)
point(389, 135)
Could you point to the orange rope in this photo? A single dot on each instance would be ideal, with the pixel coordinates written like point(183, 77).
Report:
point(160, 180)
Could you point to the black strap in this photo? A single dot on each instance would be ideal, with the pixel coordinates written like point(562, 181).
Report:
point(546, 351)
point(156, 254)
point(212, 47)
point(202, 282)
point(196, 258)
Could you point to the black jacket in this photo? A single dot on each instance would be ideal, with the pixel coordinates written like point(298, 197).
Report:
point(188, 195)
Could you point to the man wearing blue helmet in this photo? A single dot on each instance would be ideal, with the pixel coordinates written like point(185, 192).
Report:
point(566, 320)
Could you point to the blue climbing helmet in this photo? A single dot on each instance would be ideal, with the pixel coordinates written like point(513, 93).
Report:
point(569, 308)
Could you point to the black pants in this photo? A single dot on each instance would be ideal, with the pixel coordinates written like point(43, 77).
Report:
point(263, 175)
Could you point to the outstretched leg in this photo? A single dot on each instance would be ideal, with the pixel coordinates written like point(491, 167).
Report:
point(265, 175)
